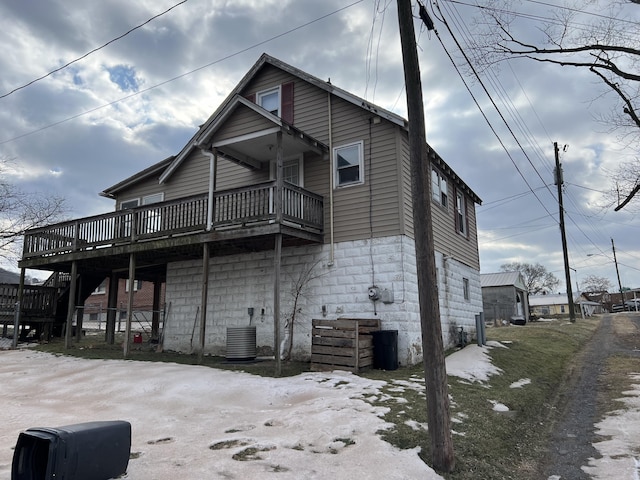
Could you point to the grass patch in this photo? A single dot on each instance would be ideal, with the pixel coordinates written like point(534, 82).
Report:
point(490, 444)
point(614, 381)
point(93, 346)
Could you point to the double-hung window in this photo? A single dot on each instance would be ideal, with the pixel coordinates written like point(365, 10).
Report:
point(348, 164)
point(270, 100)
point(439, 188)
point(461, 214)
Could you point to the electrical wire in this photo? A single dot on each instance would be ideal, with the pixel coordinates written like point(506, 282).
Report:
point(92, 51)
point(190, 72)
point(477, 76)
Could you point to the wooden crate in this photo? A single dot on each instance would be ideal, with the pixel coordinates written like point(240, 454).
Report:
point(342, 344)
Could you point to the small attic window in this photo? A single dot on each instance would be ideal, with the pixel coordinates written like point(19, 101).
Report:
point(270, 100)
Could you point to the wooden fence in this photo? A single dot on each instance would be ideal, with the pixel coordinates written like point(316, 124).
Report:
point(343, 344)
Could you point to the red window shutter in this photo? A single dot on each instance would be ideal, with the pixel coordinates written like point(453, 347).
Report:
point(251, 97)
point(286, 106)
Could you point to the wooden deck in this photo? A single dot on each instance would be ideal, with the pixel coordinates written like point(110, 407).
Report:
point(238, 214)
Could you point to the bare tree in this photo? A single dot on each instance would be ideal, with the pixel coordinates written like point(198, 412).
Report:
point(536, 277)
point(595, 284)
point(605, 44)
point(20, 211)
point(300, 291)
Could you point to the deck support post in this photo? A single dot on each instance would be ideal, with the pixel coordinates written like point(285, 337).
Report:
point(132, 279)
point(18, 311)
point(112, 305)
point(71, 304)
point(205, 291)
point(79, 315)
point(155, 314)
point(277, 254)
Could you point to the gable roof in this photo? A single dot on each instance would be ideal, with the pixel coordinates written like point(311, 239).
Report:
point(554, 299)
point(154, 169)
point(234, 98)
point(502, 279)
point(245, 152)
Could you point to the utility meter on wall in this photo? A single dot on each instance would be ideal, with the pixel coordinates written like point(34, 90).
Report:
point(374, 294)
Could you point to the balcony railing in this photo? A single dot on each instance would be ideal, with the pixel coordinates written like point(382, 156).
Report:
point(231, 208)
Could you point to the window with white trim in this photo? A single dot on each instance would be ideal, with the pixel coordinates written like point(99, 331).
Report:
point(461, 214)
point(269, 100)
point(348, 164)
point(439, 188)
point(137, 285)
point(152, 221)
point(102, 288)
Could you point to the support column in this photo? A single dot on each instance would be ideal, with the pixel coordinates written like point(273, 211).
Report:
point(71, 304)
point(276, 302)
point(132, 279)
point(18, 311)
point(203, 302)
point(277, 254)
point(112, 305)
point(155, 315)
point(79, 315)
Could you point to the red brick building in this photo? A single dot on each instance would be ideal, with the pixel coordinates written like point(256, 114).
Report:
point(95, 307)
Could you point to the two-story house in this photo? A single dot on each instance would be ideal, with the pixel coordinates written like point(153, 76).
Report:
point(293, 200)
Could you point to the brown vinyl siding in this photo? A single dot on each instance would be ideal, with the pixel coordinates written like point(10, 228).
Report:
point(142, 189)
point(381, 206)
point(243, 121)
point(445, 237)
point(354, 214)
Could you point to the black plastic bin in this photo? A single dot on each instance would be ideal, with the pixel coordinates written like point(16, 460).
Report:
point(85, 451)
point(385, 349)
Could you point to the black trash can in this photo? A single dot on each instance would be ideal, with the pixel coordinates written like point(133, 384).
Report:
point(85, 451)
point(385, 349)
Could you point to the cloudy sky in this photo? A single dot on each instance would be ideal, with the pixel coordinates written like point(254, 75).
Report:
point(129, 102)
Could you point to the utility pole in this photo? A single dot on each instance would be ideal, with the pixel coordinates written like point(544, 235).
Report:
point(438, 415)
point(559, 182)
point(615, 260)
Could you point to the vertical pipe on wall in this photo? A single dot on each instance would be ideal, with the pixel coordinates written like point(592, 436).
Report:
point(213, 164)
point(331, 183)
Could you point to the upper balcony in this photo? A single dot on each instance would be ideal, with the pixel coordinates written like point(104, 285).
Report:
point(238, 219)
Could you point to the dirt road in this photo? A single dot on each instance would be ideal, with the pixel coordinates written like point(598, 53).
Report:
point(572, 442)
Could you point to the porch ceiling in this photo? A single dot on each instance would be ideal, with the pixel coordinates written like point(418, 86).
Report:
point(259, 148)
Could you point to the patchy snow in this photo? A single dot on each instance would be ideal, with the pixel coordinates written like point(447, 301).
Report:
point(621, 428)
point(520, 383)
point(472, 363)
point(499, 407)
point(312, 426)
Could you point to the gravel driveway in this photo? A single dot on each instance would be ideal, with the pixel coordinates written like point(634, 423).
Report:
point(572, 442)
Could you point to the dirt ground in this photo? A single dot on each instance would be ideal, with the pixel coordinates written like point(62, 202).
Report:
point(573, 441)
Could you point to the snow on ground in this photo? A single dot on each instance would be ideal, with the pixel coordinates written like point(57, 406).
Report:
point(472, 363)
point(193, 422)
point(188, 422)
point(620, 448)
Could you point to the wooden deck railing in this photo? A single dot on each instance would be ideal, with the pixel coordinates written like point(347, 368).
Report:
point(37, 301)
point(232, 208)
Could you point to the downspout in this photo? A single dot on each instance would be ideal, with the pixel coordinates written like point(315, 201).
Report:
point(213, 158)
point(331, 242)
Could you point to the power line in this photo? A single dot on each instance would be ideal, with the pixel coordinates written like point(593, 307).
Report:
point(477, 76)
point(190, 72)
point(90, 52)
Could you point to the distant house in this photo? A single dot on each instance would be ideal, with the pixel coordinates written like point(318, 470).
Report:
point(504, 297)
point(96, 306)
point(558, 304)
